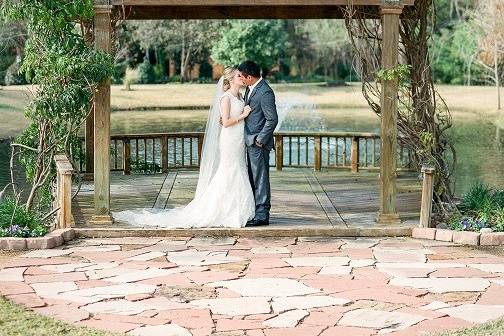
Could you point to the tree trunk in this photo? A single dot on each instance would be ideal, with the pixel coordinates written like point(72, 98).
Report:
point(496, 73)
point(182, 55)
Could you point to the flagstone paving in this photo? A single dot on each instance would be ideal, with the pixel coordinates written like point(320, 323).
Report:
point(243, 286)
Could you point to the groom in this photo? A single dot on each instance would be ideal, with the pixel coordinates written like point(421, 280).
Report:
point(259, 127)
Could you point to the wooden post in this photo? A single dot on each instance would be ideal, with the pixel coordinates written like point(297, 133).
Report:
point(102, 32)
point(126, 156)
point(317, 155)
point(164, 154)
point(89, 146)
point(354, 154)
point(200, 147)
point(64, 191)
point(89, 125)
point(390, 13)
point(278, 152)
point(427, 192)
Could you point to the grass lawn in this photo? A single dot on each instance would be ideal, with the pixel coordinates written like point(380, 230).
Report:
point(15, 320)
point(494, 328)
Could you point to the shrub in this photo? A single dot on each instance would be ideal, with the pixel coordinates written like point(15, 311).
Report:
point(146, 73)
point(479, 208)
point(16, 221)
point(142, 167)
point(476, 197)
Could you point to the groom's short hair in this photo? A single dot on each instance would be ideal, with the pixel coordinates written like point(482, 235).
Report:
point(250, 68)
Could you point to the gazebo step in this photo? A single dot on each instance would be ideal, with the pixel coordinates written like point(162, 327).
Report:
point(265, 231)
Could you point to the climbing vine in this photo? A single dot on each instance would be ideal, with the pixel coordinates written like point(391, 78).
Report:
point(423, 116)
point(65, 71)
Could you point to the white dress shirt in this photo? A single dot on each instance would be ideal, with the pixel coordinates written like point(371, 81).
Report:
point(252, 87)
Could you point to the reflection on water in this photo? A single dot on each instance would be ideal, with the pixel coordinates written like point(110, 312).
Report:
point(479, 146)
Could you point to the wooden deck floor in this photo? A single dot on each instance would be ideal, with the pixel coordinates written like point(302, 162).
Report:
point(300, 197)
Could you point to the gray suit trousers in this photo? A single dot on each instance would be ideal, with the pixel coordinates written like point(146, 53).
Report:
point(258, 169)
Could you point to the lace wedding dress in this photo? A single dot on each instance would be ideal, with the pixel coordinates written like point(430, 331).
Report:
point(224, 196)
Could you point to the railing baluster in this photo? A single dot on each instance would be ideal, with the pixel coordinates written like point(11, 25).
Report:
point(200, 146)
point(183, 151)
point(365, 152)
point(373, 154)
point(354, 154)
point(164, 154)
point(278, 152)
point(175, 152)
point(299, 150)
point(145, 154)
point(290, 151)
point(318, 152)
point(190, 151)
point(337, 151)
point(344, 151)
point(126, 157)
point(328, 151)
point(137, 157)
point(154, 152)
point(306, 150)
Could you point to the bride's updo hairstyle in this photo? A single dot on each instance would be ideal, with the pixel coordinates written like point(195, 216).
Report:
point(228, 77)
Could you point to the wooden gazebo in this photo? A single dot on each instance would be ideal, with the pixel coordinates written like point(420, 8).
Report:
point(98, 125)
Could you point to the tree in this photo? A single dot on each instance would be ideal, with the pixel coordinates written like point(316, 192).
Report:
point(190, 40)
point(330, 43)
point(12, 41)
point(454, 55)
point(263, 41)
point(488, 18)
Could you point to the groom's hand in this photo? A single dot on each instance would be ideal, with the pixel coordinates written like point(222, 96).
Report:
point(259, 144)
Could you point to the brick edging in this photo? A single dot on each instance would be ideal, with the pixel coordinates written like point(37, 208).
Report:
point(460, 237)
point(52, 239)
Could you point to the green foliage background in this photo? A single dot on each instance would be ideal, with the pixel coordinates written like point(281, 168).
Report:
point(66, 71)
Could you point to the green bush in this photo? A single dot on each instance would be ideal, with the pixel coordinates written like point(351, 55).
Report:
point(142, 167)
point(146, 73)
point(479, 208)
point(16, 221)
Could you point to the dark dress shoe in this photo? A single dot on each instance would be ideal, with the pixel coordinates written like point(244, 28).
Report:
point(256, 222)
point(250, 222)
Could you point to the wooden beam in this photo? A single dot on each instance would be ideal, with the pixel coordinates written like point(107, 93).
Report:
point(198, 3)
point(239, 12)
point(102, 32)
point(388, 160)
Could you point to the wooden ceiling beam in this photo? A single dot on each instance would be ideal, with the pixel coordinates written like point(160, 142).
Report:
point(194, 3)
point(242, 12)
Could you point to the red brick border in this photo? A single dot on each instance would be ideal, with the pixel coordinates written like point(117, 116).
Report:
point(49, 241)
point(460, 237)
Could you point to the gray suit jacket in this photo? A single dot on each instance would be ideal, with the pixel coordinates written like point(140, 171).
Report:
point(261, 122)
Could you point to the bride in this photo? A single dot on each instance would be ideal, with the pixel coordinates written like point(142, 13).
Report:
point(224, 195)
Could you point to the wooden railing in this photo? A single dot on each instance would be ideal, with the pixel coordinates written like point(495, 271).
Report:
point(152, 153)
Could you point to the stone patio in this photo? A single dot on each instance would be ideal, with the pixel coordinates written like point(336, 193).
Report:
point(267, 287)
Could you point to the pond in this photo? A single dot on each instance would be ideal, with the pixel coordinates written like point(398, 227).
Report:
point(479, 146)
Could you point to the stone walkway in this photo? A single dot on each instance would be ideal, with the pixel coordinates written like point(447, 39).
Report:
point(259, 287)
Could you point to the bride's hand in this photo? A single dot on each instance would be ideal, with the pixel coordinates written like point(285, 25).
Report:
point(246, 110)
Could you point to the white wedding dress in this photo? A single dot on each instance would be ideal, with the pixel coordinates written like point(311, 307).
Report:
point(224, 197)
